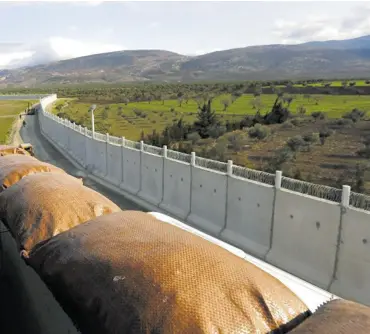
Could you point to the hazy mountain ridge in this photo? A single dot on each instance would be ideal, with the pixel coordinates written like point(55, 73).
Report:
point(329, 59)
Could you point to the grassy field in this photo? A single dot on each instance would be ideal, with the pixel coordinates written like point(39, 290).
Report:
point(5, 128)
point(359, 83)
point(131, 119)
point(8, 111)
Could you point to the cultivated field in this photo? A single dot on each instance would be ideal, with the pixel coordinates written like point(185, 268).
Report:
point(9, 110)
point(357, 83)
point(134, 118)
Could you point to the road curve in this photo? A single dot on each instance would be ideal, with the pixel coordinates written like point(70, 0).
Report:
point(44, 151)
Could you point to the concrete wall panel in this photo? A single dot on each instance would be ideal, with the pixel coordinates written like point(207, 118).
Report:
point(131, 170)
point(177, 187)
point(353, 270)
point(208, 200)
point(305, 236)
point(114, 156)
point(151, 178)
point(249, 216)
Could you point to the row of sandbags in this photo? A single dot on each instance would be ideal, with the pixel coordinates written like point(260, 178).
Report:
point(13, 149)
point(119, 271)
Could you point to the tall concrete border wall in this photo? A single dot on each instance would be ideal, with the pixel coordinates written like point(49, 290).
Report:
point(317, 233)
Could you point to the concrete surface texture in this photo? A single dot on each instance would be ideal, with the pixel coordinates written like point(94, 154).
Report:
point(304, 235)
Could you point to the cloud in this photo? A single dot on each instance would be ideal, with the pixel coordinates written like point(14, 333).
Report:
point(69, 48)
point(320, 28)
point(153, 25)
point(53, 49)
point(85, 3)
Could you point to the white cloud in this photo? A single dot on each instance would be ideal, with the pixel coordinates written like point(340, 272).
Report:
point(320, 28)
point(153, 25)
point(85, 3)
point(70, 48)
point(7, 59)
point(55, 48)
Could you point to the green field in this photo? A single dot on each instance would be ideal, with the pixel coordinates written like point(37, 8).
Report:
point(5, 128)
point(358, 83)
point(9, 109)
point(130, 123)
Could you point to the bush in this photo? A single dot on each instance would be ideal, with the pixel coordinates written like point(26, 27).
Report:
point(311, 138)
point(325, 133)
point(288, 125)
point(193, 137)
point(281, 156)
point(296, 143)
point(301, 110)
point(355, 115)
point(259, 131)
point(237, 140)
point(216, 131)
point(341, 122)
point(297, 121)
point(318, 115)
point(140, 113)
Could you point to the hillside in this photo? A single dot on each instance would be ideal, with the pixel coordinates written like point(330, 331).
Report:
point(326, 60)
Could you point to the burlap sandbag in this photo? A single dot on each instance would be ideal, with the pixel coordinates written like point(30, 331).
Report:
point(42, 205)
point(337, 317)
point(7, 149)
point(14, 167)
point(130, 273)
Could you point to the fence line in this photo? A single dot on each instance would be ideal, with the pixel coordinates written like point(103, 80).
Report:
point(360, 201)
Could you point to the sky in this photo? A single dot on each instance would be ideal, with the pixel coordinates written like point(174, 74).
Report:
point(37, 32)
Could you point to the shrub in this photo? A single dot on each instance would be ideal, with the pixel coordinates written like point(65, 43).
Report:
point(311, 138)
point(281, 156)
point(301, 110)
point(288, 125)
point(237, 140)
point(323, 134)
point(341, 122)
point(297, 121)
point(216, 131)
point(355, 115)
point(318, 115)
point(259, 131)
point(296, 143)
point(193, 137)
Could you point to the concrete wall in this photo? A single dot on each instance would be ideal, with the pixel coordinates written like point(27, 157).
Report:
point(304, 236)
point(176, 188)
point(131, 170)
point(248, 226)
point(353, 272)
point(312, 232)
point(151, 188)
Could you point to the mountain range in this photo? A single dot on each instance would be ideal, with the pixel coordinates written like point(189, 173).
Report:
point(312, 60)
